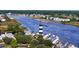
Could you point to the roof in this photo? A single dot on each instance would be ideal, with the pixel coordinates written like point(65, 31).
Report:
point(0, 37)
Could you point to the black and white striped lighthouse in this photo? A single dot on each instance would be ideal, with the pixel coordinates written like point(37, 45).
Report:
point(40, 29)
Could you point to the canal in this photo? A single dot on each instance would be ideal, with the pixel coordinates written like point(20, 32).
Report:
point(66, 33)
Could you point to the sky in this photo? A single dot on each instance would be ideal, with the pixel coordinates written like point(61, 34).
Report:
point(39, 5)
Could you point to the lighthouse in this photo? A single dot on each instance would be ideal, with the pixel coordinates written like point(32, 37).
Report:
point(40, 29)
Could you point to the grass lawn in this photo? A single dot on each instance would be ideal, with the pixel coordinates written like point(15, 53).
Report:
point(7, 46)
point(75, 23)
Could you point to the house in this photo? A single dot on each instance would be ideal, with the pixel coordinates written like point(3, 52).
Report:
point(10, 35)
point(56, 40)
point(0, 37)
point(27, 32)
point(72, 46)
point(9, 13)
point(3, 35)
point(2, 20)
point(10, 17)
point(46, 36)
point(51, 18)
point(61, 19)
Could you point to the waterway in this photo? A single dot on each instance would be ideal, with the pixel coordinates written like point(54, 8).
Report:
point(66, 33)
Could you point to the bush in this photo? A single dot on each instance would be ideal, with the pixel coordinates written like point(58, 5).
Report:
point(23, 39)
point(1, 41)
point(14, 43)
point(40, 39)
point(34, 43)
point(14, 28)
point(73, 19)
point(7, 40)
point(47, 43)
point(41, 46)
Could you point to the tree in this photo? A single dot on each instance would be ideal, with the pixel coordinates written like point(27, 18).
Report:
point(40, 39)
point(34, 43)
point(15, 28)
point(23, 38)
point(47, 43)
point(41, 46)
point(7, 40)
point(14, 43)
point(73, 19)
point(29, 38)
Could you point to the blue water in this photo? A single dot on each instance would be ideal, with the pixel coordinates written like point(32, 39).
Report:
point(67, 33)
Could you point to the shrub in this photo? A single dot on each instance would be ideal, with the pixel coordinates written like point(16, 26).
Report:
point(7, 40)
point(40, 39)
point(47, 43)
point(14, 43)
point(41, 46)
point(34, 43)
point(23, 39)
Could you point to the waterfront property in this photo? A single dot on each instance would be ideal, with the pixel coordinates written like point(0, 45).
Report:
point(61, 19)
point(29, 27)
point(58, 29)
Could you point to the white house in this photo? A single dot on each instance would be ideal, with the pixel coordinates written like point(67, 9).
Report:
point(9, 13)
point(46, 36)
point(51, 18)
point(10, 35)
point(61, 19)
point(0, 37)
point(2, 20)
point(56, 40)
point(27, 32)
point(3, 35)
point(72, 46)
point(10, 17)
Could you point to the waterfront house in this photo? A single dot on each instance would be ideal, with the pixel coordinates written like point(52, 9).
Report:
point(61, 19)
point(56, 40)
point(27, 32)
point(10, 17)
point(3, 35)
point(2, 20)
point(51, 18)
point(9, 35)
point(0, 37)
point(46, 36)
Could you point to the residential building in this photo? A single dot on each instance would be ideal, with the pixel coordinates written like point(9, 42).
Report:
point(61, 19)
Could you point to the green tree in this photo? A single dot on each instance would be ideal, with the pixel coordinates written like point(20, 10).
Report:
point(29, 38)
point(47, 43)
point(15, 28)
point(7, 40)
point(14, 43)
point(23, 38)
point(73, 19)
point(34, 43)
point(41, 46)
point(40, 39)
